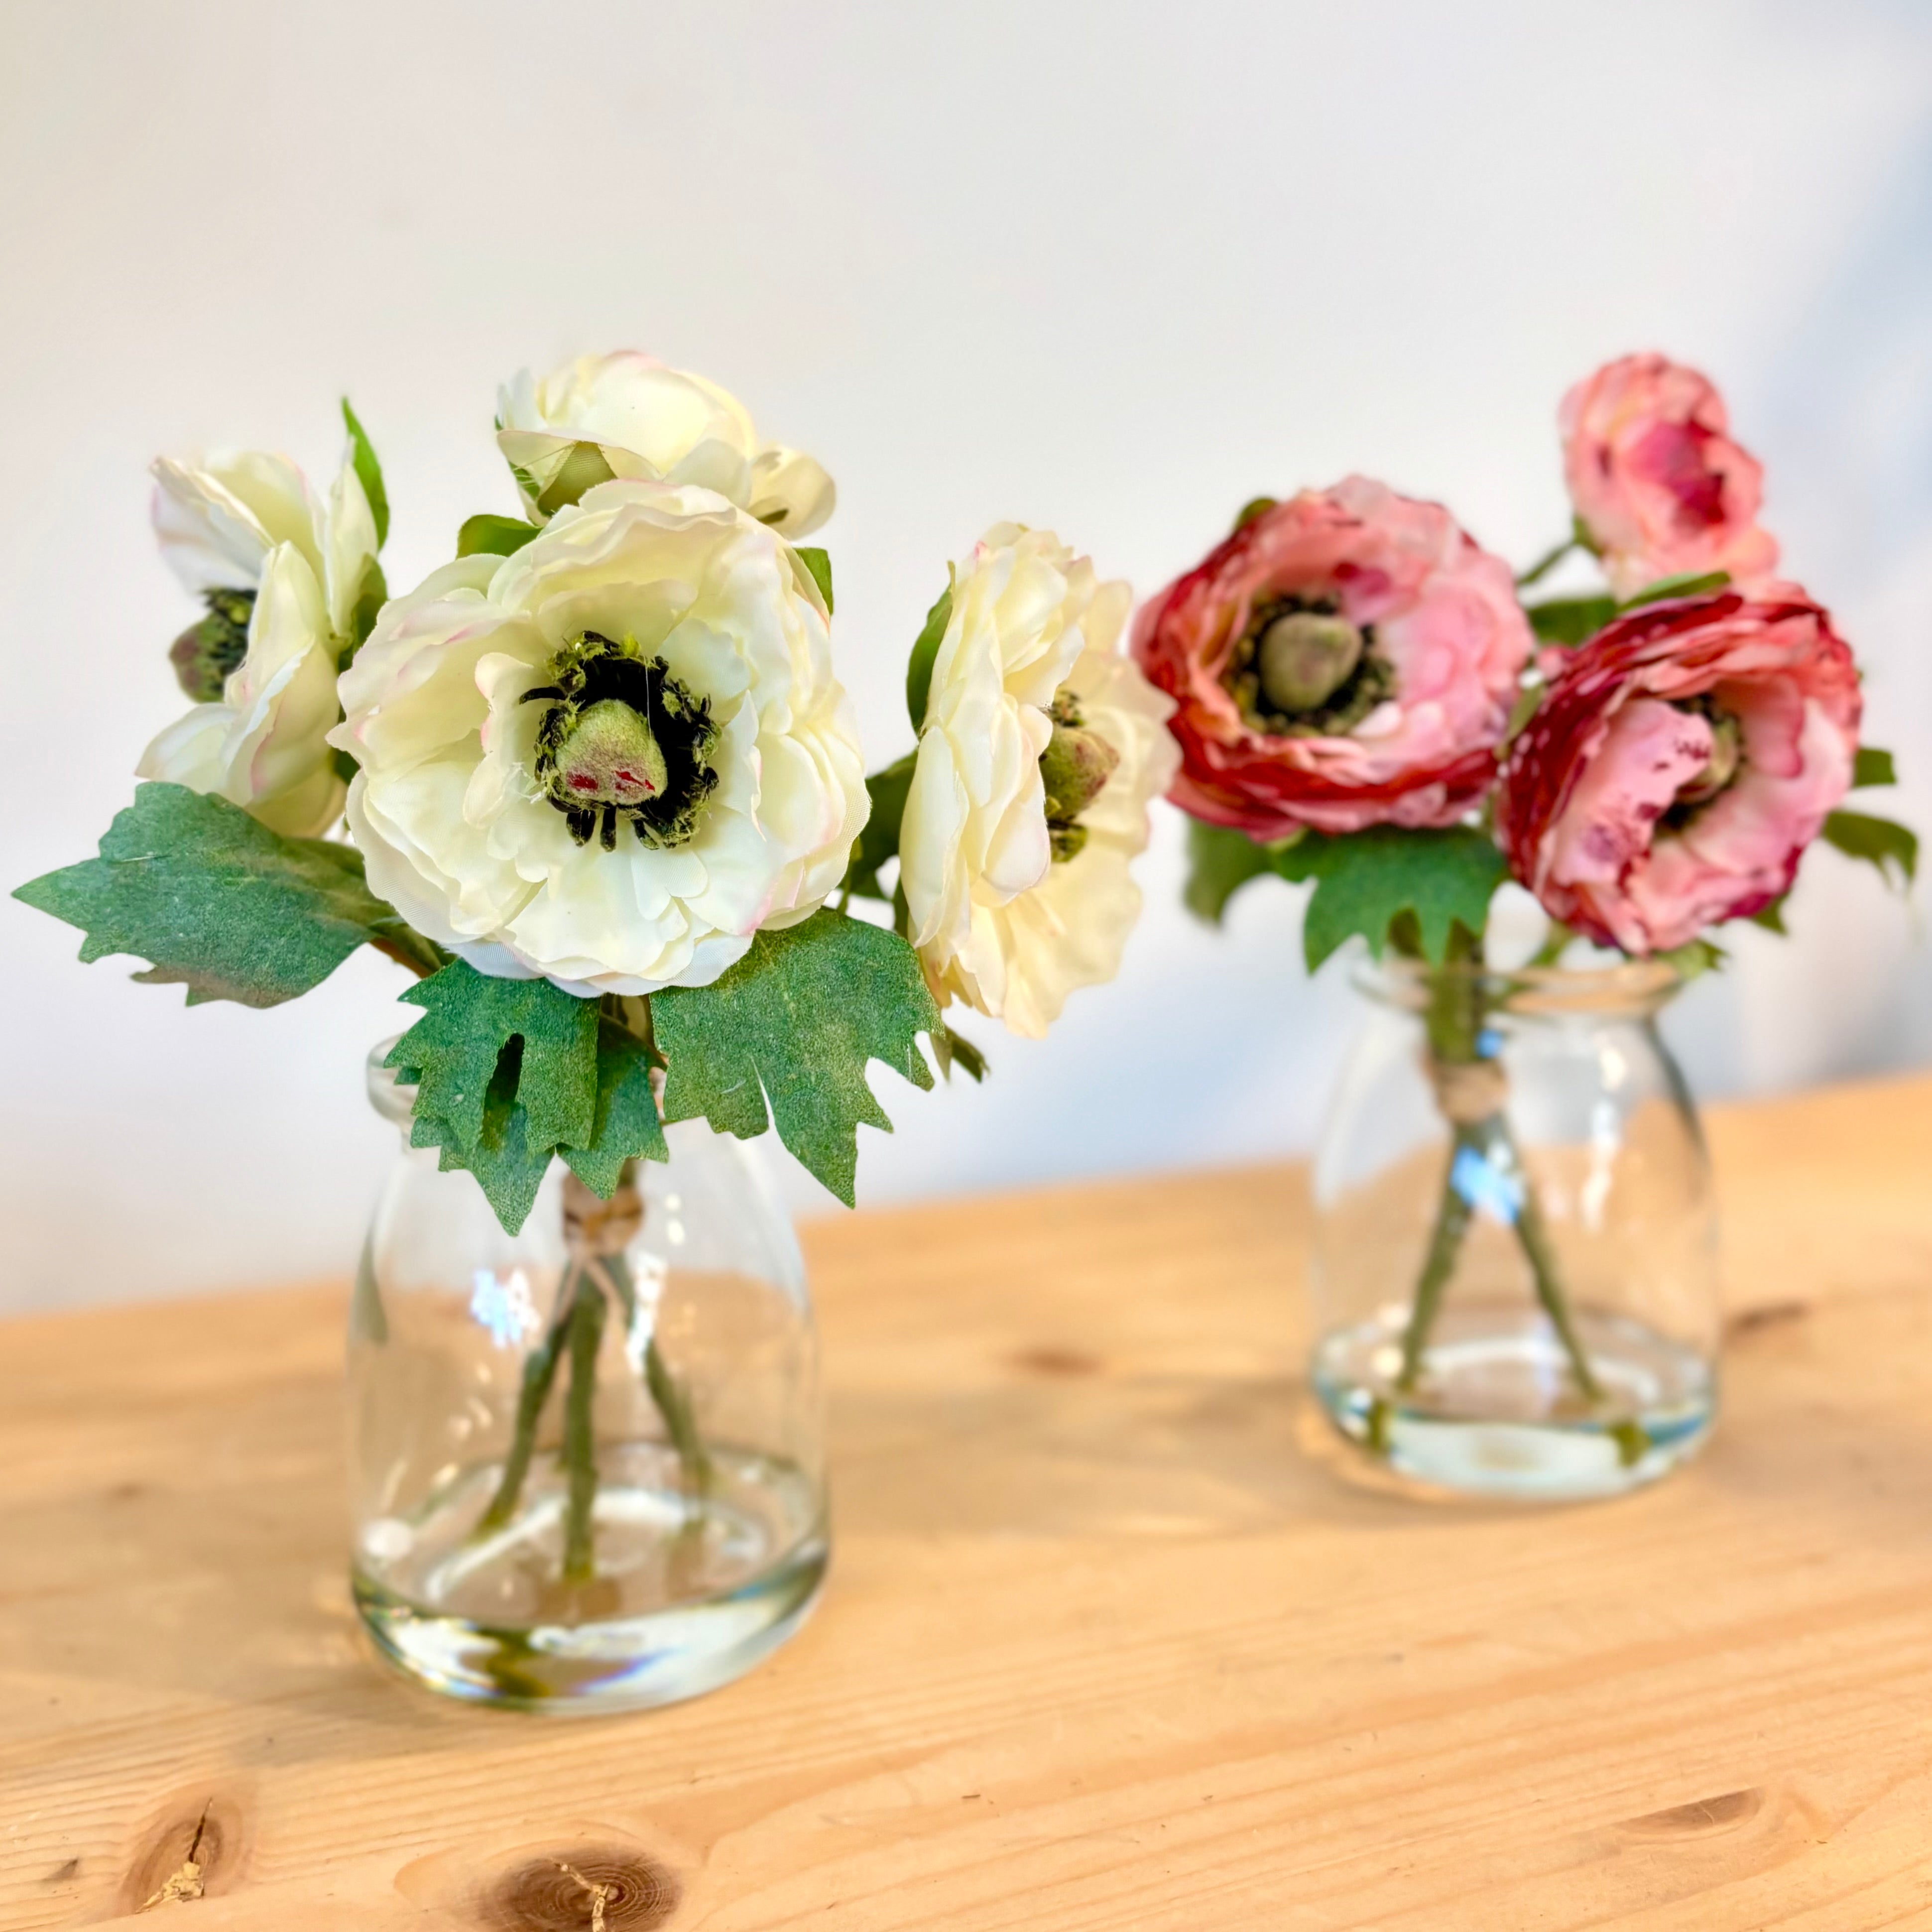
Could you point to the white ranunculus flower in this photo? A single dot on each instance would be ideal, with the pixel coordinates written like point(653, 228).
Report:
point(1041, 747)
point(629, 416)
point(282, 575)
point(610, 759)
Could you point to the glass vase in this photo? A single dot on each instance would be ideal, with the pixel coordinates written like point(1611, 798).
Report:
point(585, 1458)
point(1513, 1270)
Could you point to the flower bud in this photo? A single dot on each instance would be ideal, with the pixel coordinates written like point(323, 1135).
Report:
point(1074, 767)
point(206, 652)
point(609, 757)
point(1304, 658)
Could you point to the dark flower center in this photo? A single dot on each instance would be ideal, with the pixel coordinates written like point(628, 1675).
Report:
point(1076, 764)
point(206, 653)
point(621, 738)
point(1721, 770)
point(1302, 670)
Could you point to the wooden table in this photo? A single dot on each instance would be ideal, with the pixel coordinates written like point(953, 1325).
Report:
point(1108, 1642)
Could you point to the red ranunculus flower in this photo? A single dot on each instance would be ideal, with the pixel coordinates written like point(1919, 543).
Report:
point(1655, 477)
point(1348, 657)
point(1680, 764)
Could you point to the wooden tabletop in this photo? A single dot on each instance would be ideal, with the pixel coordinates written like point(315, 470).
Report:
point(1109, 1643)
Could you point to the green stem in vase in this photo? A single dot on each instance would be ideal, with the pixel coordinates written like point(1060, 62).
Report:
point(1533, 1232)
point(1455, 1022)
point(539, 1372)
point(580, 1432)
point(1445, 1243)
point(674, 1404)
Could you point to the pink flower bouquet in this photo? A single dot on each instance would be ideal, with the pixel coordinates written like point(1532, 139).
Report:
point(1367, 700)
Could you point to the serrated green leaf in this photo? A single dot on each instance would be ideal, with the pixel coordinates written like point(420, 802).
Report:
point(1570, 620)
point(1892, 847)
point(368, 473)
point(487, 535)
point(1694, 958)
point(217, 902)
point(819, 562)
point(454, 1052)
point(793, 1025)
point(879, 843)
point(627, 1127)
point(1871, 767)
point(925, 651)
point(1220, 861)
point(502, 1160)
point(1365, 881)
point(1686, 584)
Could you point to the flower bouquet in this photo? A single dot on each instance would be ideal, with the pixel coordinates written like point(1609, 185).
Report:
point(1514, 1263)
point(594, 782)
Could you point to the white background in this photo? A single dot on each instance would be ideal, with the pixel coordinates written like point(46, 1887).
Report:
point(1112, 268)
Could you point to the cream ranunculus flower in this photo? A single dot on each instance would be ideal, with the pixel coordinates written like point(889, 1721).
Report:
point(282, 576)
point(1041, 747)
point(610, 759)
point(629, 416)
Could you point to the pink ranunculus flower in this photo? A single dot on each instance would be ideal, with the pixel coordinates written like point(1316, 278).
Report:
point(1679, 764)
point(1348, 658)
point(1655, 477)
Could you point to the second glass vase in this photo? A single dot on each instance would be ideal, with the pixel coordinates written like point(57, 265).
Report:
point(1514, 1265)
point(585, 1458)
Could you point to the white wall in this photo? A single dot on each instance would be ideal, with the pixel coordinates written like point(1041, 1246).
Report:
point(1111, 268)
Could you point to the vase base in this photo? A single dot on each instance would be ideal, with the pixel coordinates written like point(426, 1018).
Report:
point(1496, 1412)
point(685, 1594)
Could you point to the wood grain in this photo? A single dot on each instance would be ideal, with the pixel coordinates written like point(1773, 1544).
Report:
point(1109, 1643)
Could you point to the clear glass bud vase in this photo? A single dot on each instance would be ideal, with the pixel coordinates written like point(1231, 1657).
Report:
point(1513, 1271)
point(585, 1460)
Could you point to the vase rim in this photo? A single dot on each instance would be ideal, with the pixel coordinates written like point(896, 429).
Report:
point(1632, 986)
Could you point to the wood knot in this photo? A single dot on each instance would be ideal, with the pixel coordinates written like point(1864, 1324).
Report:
point(1729, 1808)
point(1052, 1361)
point(194, 1853)
point(594, 1888)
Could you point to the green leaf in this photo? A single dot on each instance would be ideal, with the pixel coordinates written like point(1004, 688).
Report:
point(925, 650)
point(953, 1049)
point(819, 562)
point(1570, 620)
point(1220, 861)
point(453, 1053)
point(1771, 918)
point(793, 1024)
point(218, 903)
point(370, 595)
point(486, 535)
point(1255, 506)
point(1686, 583)
point(1893, 848)
point(1365, 881)
point(368, 473)
point(1694, 958)
point(879, 842)
point(1872, 767)
point(627, 1127)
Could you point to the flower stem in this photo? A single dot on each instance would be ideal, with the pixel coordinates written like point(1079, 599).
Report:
point(539, 1372)
point(674, 1404)
point(1546, 563)
point(1534, 1234)
point(579, 1432)
point(1445, 1242)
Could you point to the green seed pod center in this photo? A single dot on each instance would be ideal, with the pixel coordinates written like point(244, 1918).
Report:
point(1304, 657)
point(622, 740)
